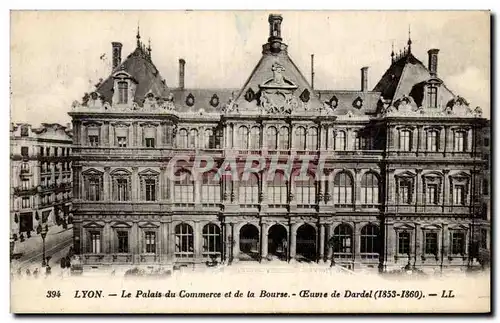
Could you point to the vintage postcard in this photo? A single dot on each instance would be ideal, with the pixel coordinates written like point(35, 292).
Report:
point(250, 162)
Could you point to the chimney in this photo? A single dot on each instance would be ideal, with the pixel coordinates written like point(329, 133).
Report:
point(182, 65)
point(364, 79)
point(117, 54)
point(433, 61)
point(275, 32)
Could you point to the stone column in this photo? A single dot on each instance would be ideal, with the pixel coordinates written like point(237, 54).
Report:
point(135, 184)
point(105, 134)
point(159, 137)
point(446, 189)
point(106, 239)
point(391, 185)
point(442, 139)
point(134, 242)
point(423, 139)
point(198, 241)
point(329, 234)
point(356, 242)
point(418, 243)
point(107, 184)
point(419, 189)
point(357, 188)
point(445, 240)
point(236, 243)
point(227, 244)
point(293, 241)
point(170, 228)
point(322, 241)
point(162, 183)
point(83, 135)
point(390, 247)
point(134, 138)
point(469, 140)
point(264, 241)
point(349, 140)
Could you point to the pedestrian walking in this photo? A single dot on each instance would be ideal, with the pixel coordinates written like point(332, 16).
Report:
point(47, 271)
point(19, 273)
point(35, 273)
point(28, 272)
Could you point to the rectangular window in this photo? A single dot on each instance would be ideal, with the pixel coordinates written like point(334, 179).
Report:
point(122, 189)
point(94, 141)
point(432, 140)
point(459, 195)
point(25, 184)
point(150, 142)
point(94, 190)
point(432, 97)
point(150, 237)
point(122, 241)
point(150, 189)
point(484, 239)
point(405, 193)
point(458, 243)
point(486, 187)
point(24, 131)
point(404, 140)
point(25, 203)
point(95, 242)
point(24, 151)
point(432, 196)
point(403, 243)
point(459, 141)
point(122, 141)
point(122, 92)
point(47, 150)
point(431, 243)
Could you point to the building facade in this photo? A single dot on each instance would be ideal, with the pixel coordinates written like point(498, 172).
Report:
point(41, 177)
point(391, 180)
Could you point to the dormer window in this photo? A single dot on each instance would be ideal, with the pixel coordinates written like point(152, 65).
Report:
point(122, 92)
point(432, 97)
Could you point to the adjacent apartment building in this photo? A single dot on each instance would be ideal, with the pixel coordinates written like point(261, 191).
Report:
point(394, 173)
point(40, 177)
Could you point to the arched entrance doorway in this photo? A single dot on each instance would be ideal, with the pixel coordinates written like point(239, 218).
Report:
point(277, 246)
point(306, 243)
point(249, 242)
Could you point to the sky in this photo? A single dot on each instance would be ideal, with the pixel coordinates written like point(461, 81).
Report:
point(55, 55)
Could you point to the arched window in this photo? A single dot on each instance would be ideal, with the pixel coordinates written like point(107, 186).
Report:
point(255, 138)
point(272, 138)
point(283, 139)
point(432, 140)
point(182, 138)
point(300, 138)
point(249, 190)
point(210, 188)
point(305, 190)
point(211, 240)
point(342, 241)
point(340, 140)
point(183, 187)
point(369, 189)
point(184, 241)
point(369, 241)
point(342, 189)
point(405, 140)
point(193, 138)
point(459, 142)
point(243, 136)
point(122, 92)
point(277, 190)
point(312, 138)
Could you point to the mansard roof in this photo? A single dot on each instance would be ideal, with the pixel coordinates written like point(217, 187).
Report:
point(142, 69)
point(355, 102)
point(405, 77)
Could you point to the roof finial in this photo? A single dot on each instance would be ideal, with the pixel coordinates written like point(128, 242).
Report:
point(149, 47)
point(392, 52)
point(138, 36)
point(409, 38)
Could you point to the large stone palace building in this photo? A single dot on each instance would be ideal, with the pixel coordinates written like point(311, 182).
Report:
point(41, 177)
point(395, 176)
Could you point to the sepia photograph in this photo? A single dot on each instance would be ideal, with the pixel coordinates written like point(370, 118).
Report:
point(283, 162)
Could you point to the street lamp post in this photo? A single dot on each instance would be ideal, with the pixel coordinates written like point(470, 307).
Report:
point(44, 234)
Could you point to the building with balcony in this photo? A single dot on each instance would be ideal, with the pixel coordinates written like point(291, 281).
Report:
point(391, 180)
point(41, 176)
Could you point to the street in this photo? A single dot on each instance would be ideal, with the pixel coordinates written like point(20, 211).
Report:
point(29, 254)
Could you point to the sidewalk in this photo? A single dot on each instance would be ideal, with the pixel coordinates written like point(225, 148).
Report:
point(33, 245)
